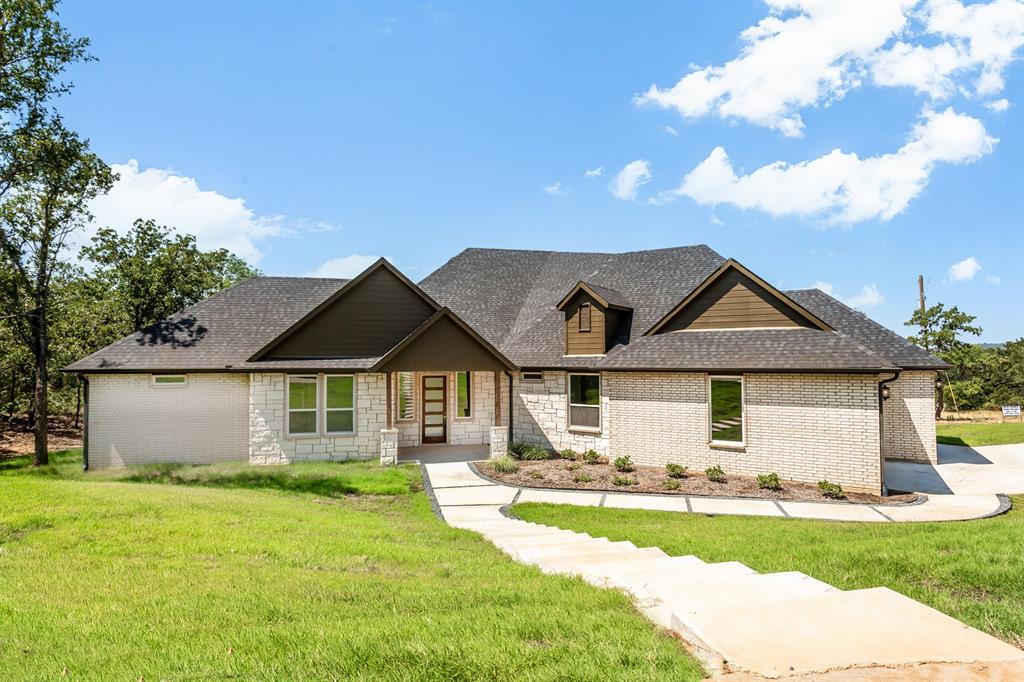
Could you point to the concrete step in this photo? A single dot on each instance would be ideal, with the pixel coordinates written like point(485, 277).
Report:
point(728, 591)
point(574, 564)
point(859, 628)
point(633, 566)
point(645, 582)
point(515, 533)
point(526, 542)
point(573, 549)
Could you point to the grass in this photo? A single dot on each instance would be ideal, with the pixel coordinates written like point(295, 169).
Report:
point(980, 433)
point(970, 570)
point(206, 573)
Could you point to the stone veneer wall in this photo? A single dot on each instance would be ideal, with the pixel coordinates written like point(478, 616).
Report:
point(131, 421)
point(472, 430)
point(268, 443)
point(541, 415)
point(908, 418)
point(805, 427)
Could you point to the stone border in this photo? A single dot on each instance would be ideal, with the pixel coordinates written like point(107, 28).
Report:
point(1005, 505)
point(429, 490)
point(921, 497)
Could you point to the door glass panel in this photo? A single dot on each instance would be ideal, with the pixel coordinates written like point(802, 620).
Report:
point(433, 382)
point(434, 419)
point(431, 431)
point(433, 407)
point(435, 394)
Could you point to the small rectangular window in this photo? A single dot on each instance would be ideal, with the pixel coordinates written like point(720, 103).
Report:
point(169, 380)
point(725, 397)
point(302, 405)
point(339, 405)
point(406, 396)
point(463, 394)
point(585, 317)
point(585, 401)
point(533, 376)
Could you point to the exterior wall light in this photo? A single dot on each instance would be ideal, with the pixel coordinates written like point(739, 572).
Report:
point(885, 392)
point(938, 384)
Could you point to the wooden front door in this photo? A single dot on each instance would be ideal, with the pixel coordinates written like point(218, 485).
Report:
point(435, 409)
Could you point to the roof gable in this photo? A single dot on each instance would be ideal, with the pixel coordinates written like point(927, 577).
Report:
point(733, 297)
point(443, 343)
point(365, 318)
point(604, 296)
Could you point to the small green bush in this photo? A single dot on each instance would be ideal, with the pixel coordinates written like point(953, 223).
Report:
point(505, 465)
point(516, 450)
point(535, 454)
point(623, 464)
point(569, 454)
point(582, 477)
point(676, 470)
point(670, 484)
point(536, 475)
point(832, 490)
point(591, 457)
point(572, 467)
point(624, 480)
point(715, 474)
point(769, 481)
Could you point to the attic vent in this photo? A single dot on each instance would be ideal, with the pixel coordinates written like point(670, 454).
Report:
point(585, 317)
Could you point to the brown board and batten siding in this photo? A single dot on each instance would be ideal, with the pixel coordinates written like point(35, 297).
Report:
point(367, 321)
point(584, 342)
point(443, 346)
point(735, 301)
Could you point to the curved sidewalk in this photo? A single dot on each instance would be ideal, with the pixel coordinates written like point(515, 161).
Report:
point(458, 484)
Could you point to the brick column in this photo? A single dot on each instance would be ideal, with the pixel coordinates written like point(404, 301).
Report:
point(499, 441)
point(388, 447)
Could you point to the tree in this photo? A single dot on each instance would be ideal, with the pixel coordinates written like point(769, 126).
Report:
point(151, 274)
point(940, 331)
point(47, 201)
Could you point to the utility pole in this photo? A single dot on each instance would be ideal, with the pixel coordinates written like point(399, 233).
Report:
point(920, 290)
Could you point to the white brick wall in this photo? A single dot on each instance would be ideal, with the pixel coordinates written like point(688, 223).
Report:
point(474, 430)
point(909, 418)
point(131, 421)
point(541, 415)
point(269, 444)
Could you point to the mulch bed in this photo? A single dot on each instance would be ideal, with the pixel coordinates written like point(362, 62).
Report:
point(19, 440)
point(559, 474)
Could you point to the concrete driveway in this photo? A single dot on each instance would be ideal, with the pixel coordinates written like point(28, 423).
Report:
point(962, 471)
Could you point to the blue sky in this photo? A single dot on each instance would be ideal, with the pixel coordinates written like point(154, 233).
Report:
point(305, 135)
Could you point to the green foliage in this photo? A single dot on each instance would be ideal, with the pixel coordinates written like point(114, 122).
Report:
point(832, 490)
point(769, 481)
point(572, 467)
point(535, 475)
point(670, 484)
point(569, 454)
point(625, 480)
point(517, 449)
point(972, 434)
point(984, 377)
point(591, 457)
point(505, 464)
point(940, 328)
point(715, 474)
point(623, 464)
point(533, 453)
point(676, 470)
point(582, 477)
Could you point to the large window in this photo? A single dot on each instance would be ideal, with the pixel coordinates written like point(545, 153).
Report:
point(301, 405)
point(339, 406)
point(406, 396)
point(726, 409)
point(585, 401)
point(463, 394)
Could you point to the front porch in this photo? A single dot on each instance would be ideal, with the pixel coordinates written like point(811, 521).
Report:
point(439, 454)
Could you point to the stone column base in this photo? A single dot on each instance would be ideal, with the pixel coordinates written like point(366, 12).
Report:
point(388, 447)
point(499, 441)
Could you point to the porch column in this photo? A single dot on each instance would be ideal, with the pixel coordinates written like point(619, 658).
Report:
point(497, 399)
point(389, 400)
point(388, 447)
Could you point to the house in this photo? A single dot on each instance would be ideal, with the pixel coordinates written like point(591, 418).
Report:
point(668, 355)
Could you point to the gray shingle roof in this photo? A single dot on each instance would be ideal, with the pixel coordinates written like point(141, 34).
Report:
point(613, 296)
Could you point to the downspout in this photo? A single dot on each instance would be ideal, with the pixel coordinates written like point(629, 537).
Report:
point(881, 427)
point(510, 439)
point(85, 422)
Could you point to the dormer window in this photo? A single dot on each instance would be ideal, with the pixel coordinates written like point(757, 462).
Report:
point(584, 316)
point(594, 316)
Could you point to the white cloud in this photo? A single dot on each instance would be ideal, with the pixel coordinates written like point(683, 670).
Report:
point(807, 53)
point(345, 267)
point(868, 297)
point(964, 271)
point(594, 172)
point(823, 286)
point(841, 187)
point(671, 131)
point(998, 105)
point(554, 188)
point(633, 176)
point(177, 201)
point(803, 54)
point(994, 279)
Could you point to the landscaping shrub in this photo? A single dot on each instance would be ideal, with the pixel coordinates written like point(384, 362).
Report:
point(769, 481)
point(623, 464)
point(833, 490)
point(536, 475)
point(516, 450)
point(624, 480)
point(591, 457)
point(505, 465)
point(715, 474)
point(569, 454)
point(676, 470)
point(534, 454)
point(582, 477)
point(670, 484)
point(572, 467)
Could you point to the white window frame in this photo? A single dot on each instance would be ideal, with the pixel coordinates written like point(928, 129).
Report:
point(288, 407)
point(398, 397)
point(538, 380)
point(174, 384)
point(743, 412)
point(327, 409)
point(455, 395)
point(568, 399)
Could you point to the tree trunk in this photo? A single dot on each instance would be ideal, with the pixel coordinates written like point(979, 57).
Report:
point(41, 351)
point(13, 396)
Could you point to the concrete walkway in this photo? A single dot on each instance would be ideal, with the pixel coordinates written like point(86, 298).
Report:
point(733, 618)
point(962, 471)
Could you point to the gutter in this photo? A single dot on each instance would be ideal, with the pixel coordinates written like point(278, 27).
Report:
point(881, 428)
point(85, 422)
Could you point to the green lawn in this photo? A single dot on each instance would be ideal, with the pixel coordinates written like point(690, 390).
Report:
point(979, 433)
point(970, 570)
point(231, 571)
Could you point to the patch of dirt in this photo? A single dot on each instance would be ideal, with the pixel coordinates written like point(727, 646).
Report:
point(560, 474)
point(18, 439)
point(949, 415)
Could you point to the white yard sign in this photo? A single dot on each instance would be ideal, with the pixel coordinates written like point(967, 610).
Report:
point(1011, 410)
